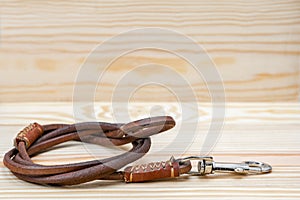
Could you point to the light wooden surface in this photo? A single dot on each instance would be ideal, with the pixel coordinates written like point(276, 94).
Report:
point(252, 131)
point(254, 44)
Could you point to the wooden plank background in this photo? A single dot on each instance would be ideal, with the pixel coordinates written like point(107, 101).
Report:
point(264, 132)
point(254, 44)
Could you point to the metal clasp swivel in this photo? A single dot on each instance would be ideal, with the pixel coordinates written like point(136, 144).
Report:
point(206, 165)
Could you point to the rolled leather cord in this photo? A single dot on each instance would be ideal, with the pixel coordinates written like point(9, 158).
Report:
point(36, 138)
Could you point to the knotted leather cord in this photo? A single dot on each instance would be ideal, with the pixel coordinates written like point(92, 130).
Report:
point(18, 160)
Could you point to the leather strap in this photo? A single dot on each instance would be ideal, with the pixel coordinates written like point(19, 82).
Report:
point(37, 138)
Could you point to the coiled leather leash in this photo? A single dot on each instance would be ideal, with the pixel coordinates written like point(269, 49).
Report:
point(36, 138)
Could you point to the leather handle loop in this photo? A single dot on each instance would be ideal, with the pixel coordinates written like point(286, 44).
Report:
point(18, 160)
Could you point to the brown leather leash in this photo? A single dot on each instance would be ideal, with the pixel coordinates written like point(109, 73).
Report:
point(36, 138)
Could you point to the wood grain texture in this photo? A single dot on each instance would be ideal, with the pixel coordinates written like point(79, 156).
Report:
point(252, 131)
point(254, 44)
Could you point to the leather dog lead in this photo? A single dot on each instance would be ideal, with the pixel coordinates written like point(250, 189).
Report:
point(36, 138)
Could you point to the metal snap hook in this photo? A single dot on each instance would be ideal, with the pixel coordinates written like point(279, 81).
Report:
point(258, 167)
point(206, 165)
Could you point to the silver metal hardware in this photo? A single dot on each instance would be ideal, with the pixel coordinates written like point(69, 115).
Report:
point(206, 165)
